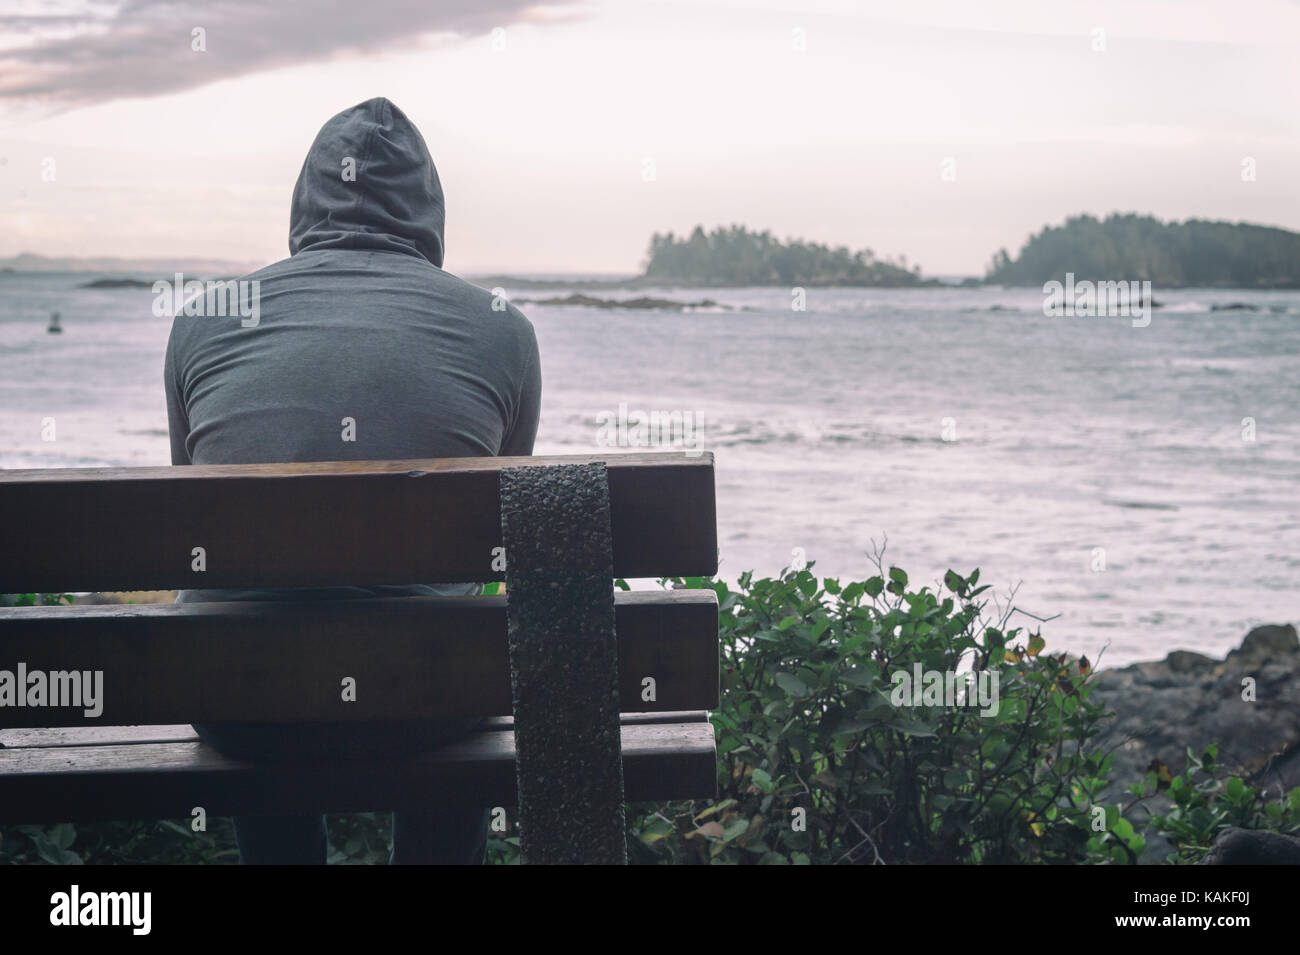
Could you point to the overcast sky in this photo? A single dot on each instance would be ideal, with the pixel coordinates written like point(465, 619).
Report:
point(824, 119)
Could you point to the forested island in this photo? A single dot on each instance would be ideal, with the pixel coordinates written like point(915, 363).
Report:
point(1169, 254)
point(737, 256)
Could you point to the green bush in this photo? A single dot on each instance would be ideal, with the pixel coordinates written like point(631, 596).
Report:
point(817, 763)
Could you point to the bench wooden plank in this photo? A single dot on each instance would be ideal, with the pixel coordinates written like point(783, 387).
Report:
point(324, 523)
point(148, 780)
point(46, 737)
point(270, 661)
point(28, 738)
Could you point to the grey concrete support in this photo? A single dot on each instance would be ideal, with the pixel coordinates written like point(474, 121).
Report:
point(555, 527)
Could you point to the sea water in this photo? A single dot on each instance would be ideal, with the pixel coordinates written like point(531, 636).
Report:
point(1139, 486)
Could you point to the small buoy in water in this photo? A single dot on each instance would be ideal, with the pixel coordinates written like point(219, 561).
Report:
point(54, 328)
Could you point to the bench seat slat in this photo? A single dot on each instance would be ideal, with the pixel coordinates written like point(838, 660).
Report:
point(29, 738)
point(166, 780)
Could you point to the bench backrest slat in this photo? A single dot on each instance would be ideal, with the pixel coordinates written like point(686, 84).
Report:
point(324, 524)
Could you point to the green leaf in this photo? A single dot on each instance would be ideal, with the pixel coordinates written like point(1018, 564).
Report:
point(911, 727)
point(851, 727)
point(857, 676)
point(716, 807)
point(63, 835)
point(791, 684)
point(737, 828)
point(658, 828)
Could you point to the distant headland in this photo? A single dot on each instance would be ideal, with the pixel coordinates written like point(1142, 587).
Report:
point(1196, 253)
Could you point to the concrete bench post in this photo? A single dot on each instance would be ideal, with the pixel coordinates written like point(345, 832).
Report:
point(555, 525)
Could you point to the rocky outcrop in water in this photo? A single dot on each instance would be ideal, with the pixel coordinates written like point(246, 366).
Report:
point(643, 302)
point(116, 283)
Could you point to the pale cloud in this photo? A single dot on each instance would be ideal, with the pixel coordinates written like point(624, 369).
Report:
point(73, 53)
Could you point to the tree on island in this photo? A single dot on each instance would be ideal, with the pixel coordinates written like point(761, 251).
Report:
point(1170, 255)
point(737, 256)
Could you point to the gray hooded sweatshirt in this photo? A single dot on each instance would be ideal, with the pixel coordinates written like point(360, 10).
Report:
point(360, 323)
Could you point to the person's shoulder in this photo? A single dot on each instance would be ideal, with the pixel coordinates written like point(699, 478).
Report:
point(271, 271)
point(266, 271)
point(492, 300)
point(187, 298)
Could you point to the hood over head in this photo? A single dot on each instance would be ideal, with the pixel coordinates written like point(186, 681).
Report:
point(394, 203)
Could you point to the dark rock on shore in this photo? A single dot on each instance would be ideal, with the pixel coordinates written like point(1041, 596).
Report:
point(1253, 847)
point(116, 283)
point(643, 302)
point(1191, 700)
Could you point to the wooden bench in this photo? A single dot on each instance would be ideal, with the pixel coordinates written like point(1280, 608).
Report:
point(165, 666)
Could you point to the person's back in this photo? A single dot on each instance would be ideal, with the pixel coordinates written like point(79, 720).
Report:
point(361, 348)
point(361, 323)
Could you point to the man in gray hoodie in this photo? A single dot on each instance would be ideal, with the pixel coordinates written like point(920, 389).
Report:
point(363, 348)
